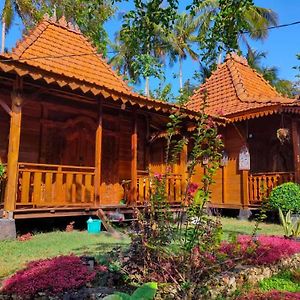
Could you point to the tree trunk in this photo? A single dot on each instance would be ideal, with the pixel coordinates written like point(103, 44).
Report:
point(3, 36)
point(180, 73)
point(147, 91)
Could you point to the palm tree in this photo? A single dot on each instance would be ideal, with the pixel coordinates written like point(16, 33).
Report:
point(181, 41)
point(23, 8)
point(258, 19)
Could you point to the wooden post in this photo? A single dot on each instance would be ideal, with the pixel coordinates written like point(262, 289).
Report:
point(183, 169)
point(296, 147)
point(134, 144)
point(98, 157)
point(13, 148)
point(245, 188)
point(224, 183)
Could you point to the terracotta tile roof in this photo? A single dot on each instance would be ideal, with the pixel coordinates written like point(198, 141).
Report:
point(61, 48)
point(235, 89)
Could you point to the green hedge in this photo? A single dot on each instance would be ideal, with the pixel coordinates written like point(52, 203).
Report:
point(287, 197)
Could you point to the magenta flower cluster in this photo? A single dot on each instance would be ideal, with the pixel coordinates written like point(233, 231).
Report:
point(51, 276)
point(263, 250)
point(192, 188)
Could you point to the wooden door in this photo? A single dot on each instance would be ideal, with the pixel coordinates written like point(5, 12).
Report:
point(79, 145)
point(111, 190)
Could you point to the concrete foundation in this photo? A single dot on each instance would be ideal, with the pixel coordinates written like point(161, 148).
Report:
point(244, 214)
point(7, 229)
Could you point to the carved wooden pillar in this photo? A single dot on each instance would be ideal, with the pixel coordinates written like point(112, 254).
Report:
point(296, 147)
point(98, 157)
point(13, 147)
point(134, 145)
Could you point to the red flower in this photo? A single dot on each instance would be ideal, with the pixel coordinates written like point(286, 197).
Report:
point(51, 276)
point(192, 188)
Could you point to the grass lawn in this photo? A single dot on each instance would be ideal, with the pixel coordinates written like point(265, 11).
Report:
point(15, 254)
point(234, 226)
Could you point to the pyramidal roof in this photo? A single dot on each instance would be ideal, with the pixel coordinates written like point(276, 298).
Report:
point(234, 89)
point(61, 48)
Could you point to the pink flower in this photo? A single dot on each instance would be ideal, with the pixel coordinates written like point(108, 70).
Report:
point(192, 188)
point(158, 176)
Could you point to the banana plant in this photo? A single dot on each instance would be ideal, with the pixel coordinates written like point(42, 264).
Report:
point(146, 292)
point(290, 229)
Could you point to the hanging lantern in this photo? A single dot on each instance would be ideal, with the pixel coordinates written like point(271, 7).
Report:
point(283, 135)
point(205, 160)
point(224, 159)
point(244, 158)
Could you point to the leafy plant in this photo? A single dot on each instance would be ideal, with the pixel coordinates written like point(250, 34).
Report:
point(283, 281)
point(51, 276)
point(146, 292)
point(2, 172)
point(291, 229)
point(286, 197)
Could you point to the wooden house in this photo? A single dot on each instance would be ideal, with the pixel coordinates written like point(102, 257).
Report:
point(73, 135)
point(75, 138)
point(261, 135)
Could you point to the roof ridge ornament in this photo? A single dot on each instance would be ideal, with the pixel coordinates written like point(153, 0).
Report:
point(238, 58)
point(62, 21)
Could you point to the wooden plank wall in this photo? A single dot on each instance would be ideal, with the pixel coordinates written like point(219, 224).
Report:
point(4, 127)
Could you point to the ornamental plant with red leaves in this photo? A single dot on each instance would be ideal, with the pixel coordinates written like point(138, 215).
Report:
point(272, 295)
point(51, 276)
point(263, 250)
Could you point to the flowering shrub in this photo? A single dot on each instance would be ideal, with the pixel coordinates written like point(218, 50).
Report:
point(272, 295)
point(265, 250)
point(52, 276)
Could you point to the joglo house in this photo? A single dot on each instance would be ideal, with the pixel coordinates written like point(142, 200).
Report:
point(75, 138)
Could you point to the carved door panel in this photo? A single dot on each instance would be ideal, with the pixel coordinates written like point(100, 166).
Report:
point(79, 145)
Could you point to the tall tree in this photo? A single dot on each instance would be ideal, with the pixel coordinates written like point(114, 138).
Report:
point(139, 32)
point(23, 8)
point(226, 23)
point(181, 40)
point(283, 86)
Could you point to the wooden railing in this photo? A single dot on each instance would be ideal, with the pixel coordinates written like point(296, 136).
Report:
point(54, 185)
point(173, 187)
point(260, 183)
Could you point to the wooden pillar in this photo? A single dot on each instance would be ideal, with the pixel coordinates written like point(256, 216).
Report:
point(296, 148)
point(134, 144)
point(224, 184)
point(245, 188)
point(183, 168)
point(98, 157)
point(13, 148)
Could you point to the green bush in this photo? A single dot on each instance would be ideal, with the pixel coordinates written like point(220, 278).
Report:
point(2, 171)
point(283, 281)
point(286, 197)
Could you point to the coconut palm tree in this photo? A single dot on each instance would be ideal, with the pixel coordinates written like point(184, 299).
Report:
point(24, 8)
point(181, 40)
point(257, 20)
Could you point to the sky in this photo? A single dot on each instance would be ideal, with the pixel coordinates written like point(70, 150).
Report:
point(281, 46)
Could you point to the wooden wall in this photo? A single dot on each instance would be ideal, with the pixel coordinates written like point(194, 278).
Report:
point(4, 127)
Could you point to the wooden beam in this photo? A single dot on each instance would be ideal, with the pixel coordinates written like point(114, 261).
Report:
point(245, 188)
point(13, 147)
point(5, 107)
point(296, 148)
point(98, 156)
point(224, 184)
point(134, 145)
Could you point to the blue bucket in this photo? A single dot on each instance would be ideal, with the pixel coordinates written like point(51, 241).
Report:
point(93, 226)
